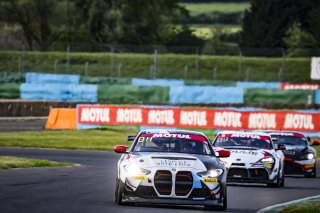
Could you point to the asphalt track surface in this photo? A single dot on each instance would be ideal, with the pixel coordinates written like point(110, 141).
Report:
point(90, 187)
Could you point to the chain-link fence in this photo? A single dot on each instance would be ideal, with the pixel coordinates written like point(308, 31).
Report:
point(157, 61)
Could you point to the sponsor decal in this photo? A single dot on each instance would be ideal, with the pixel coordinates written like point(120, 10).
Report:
point(210, 180)
point(95, 115)
point(159, 117)
point(140, 177)
point(308, 166)
point(262, 121)
point(129, 115)
point(168, 135)
point(193, 118)
point(227, 119)
point(288, 86)
point(298, 121)
point(173, 163)
point(244, 152)
point(240, 135)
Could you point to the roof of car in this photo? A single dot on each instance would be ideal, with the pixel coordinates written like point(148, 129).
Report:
point(170, 131)
point(284, 131)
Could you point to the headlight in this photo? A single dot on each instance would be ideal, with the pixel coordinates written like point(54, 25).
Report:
point(310, 156)
point(211, 173)
point(267, 160)
point(132, 169)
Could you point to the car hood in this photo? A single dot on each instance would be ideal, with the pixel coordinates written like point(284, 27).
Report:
point(179, 161)
point(243, 156)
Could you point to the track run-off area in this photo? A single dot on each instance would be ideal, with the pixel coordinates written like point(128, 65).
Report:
point(89, 187)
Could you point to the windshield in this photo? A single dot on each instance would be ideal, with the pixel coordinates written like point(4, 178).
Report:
point(238, 141)
point(174, 143)
point(289, 140)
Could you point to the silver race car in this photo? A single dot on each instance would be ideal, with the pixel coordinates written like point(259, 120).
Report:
point(254, 158)
point(171, 167)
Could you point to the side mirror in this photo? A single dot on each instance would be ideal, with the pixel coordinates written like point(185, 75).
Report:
point(315, 143)
point(120, 149)
point(131, 138)
point(281, 147)
point(222, 153)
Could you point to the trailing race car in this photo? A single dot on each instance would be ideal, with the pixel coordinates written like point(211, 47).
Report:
point(300, 158)
point(171, 167)
point(254, 158)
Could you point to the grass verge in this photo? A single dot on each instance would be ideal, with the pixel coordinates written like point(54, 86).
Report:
point(200, 8)
point(8, 162)
point(302, 209)
point(169, 65)
point(85, 139)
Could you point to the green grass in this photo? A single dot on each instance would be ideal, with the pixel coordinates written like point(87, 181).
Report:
point(199, 8)
point(317, 148)
point(302, 209)
point(85, 139)
point(169, 65)
point(8, 162)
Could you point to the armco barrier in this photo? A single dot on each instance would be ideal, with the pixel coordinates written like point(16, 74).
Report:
point(42, 78)
point(12, 77)
point(62, 118)
point(104, 80)
point(270, 85)
point(205, 94)
point(156, 82)
point(59, 92)
point(198, 118)
point(278, 96)
point(9, 91)
point(132, 94)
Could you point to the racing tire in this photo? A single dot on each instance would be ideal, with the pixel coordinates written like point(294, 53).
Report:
point(277, 184)
point(219, 208)
point(119, 192)
point(314, 175)
point(282, 183)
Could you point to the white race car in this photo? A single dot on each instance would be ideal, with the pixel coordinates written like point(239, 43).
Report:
point(171, 167)
point(254, 158)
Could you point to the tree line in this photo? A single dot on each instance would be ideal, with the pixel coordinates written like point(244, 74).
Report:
point(136, 22)
point(266, 24)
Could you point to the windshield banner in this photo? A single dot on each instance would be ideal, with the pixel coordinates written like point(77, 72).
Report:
point(198, 118)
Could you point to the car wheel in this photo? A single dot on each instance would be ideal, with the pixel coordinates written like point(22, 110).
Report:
point(118, 193)
point(277, 184)
point(219, 208)
point(314, 173)
point(282, 181)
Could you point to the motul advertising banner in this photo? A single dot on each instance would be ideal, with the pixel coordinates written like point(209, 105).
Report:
point(200, 118)
point(289, 86)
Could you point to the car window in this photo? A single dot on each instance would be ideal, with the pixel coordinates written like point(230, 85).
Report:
point(238, 141)
point(175, 143)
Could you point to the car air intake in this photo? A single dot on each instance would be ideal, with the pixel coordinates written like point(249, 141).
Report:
point(163, 182)
point(184, 182)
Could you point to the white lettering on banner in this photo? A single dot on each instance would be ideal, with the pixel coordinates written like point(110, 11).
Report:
point(95, 115)
point(298, 121)
point(262, 121)
point(245, 136)
point(129, 116)
point(302, 86)
point(161, 117)
point(227, 119)
point(171, 136)
point(193, 118)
